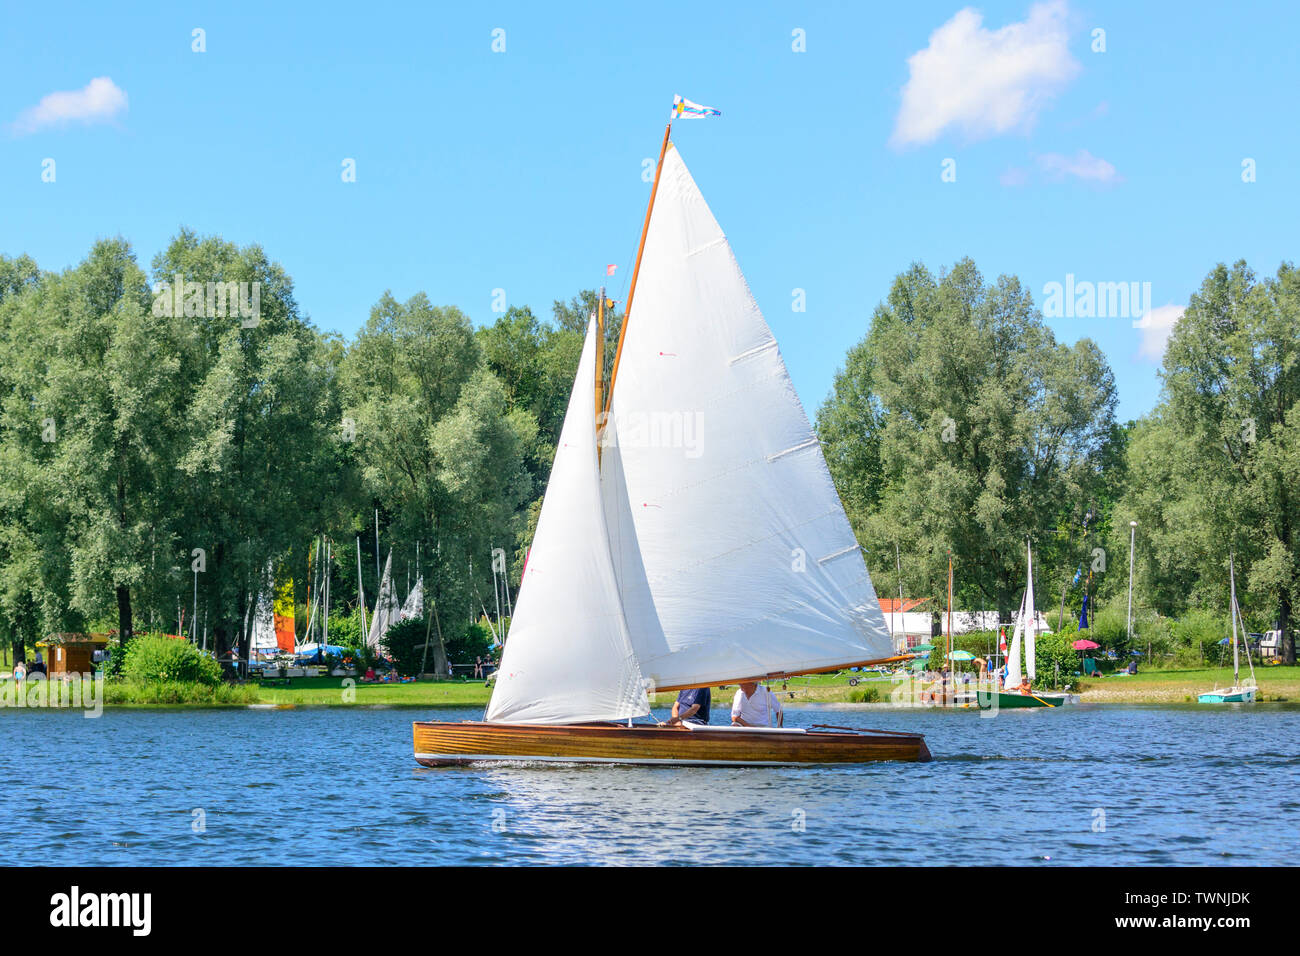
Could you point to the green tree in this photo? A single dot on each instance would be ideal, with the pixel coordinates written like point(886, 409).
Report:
point(262, 469)
point(1227, 440)
point(440, 446)
point(94, 421)
point(988, 429)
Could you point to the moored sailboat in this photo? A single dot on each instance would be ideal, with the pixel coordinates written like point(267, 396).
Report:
point(1026, 627)
point(1239, 692)
point(690, 535)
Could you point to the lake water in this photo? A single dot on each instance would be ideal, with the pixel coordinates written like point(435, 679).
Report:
point(1092, 785)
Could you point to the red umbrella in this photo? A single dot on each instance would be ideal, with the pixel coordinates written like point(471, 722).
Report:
point(1085, 645)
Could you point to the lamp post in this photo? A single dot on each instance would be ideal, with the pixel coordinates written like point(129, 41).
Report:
point(1132, 537)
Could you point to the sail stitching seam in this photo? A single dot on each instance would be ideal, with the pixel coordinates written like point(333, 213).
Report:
point(721, 240)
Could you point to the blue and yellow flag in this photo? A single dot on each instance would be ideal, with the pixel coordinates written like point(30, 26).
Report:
point(685, 109)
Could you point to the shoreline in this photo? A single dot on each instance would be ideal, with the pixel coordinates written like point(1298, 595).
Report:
point(1277, 685)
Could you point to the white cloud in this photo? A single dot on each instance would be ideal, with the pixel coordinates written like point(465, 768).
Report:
point(98, 101)
point(1156, 327)
point(985, 82)
point(1082, 165)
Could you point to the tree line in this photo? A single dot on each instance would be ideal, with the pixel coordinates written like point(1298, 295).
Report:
point(960, 427)
point(149, 427)
point(148, 422)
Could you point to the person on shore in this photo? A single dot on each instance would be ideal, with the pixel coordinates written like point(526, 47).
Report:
point(20, 672)
point(691, 706)
point(756, 706)
point(478, 668)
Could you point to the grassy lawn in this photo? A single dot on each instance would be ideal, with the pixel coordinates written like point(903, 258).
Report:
point(329, 691)
point(1181, 686)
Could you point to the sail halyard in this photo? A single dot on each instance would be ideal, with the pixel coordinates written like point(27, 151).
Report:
point(733, 553)
point(570, 658)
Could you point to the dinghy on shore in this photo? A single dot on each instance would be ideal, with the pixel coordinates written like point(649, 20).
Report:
point(1239, 692)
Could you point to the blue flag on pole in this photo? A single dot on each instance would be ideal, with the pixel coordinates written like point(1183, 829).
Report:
point(1083, 615)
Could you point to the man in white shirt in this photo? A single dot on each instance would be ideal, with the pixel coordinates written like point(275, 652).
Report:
point(755, 705)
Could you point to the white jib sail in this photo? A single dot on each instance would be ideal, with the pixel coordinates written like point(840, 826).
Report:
point(733, 551)
point(569, 657)
point(387, 611)
point(1031, 620)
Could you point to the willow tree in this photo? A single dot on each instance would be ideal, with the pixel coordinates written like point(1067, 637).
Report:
point(259, 468)
point(439, 447)
point(985, 429)
point(94, 422)
point(30, 594)
point(1228, 430)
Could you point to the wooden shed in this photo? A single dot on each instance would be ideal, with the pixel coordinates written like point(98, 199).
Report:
point(70, 653)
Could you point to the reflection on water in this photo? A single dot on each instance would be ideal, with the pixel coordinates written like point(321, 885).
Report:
point(1087, 785)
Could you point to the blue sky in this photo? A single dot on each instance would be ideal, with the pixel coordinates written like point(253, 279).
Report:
point(521, 170)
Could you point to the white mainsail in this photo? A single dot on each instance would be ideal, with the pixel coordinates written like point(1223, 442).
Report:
point(733, 553)
point(387, 610)
point(569, 657)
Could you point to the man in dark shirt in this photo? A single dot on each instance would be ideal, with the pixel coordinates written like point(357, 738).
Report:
point(692, 706)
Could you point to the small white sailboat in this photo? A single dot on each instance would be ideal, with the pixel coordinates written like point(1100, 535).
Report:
point(690, 535)
point(1239, 692)
point(262, 641)
point(1009, 696)
point(388, 611)
point(413, 606)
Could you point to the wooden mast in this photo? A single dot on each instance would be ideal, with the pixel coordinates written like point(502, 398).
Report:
point(636, 269)
point(600, 366)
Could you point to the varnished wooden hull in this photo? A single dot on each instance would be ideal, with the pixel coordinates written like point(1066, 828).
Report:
point(439, 743)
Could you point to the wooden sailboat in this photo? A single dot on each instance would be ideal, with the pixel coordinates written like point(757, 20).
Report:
point(690, 535)
point(1238, 693)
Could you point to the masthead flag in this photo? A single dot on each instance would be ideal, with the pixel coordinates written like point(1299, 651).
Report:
point(685, 109)
point(609, 270)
